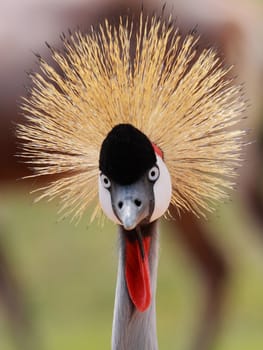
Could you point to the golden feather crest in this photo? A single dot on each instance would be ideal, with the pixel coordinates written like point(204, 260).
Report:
point(147, 76)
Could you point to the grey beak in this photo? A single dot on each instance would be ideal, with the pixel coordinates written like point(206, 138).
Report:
point(131, 211)
point(132, 203)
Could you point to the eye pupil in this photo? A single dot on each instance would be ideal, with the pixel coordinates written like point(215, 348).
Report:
point(105, 181)
point(153, 174)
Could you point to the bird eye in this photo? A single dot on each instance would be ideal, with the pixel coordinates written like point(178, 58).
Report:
point(153, 173)
point(105, 181)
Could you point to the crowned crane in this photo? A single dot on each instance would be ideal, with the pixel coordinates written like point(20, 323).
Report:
point(138, 119)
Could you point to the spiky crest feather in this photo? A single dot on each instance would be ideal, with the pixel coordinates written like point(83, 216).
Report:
point(182, 101)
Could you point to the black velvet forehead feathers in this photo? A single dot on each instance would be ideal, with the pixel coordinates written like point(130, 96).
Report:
point(126, 154)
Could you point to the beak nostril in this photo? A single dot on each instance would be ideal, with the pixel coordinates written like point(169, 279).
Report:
point(120, 204)
point(137, 202)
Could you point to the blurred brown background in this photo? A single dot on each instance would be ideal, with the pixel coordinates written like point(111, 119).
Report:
point(57, 280)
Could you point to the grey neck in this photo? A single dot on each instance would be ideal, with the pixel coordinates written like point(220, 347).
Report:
point(132, 329)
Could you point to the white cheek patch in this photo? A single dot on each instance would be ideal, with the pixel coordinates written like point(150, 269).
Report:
point(105, 202)
point(162, 190)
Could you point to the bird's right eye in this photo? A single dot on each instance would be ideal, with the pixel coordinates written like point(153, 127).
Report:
point(105, 181)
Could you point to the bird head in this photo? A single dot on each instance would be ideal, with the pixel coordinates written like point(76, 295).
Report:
point(134, 190)
point(134, 182)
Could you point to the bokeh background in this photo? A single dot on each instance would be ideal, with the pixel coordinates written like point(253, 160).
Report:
point(57, 280)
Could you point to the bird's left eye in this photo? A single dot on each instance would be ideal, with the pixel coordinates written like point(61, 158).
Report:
point(153, 173)
point(105, 181)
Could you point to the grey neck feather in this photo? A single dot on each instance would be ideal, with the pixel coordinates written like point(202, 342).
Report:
point(132, 329)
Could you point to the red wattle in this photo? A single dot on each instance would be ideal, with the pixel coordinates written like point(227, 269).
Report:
point(137, 273)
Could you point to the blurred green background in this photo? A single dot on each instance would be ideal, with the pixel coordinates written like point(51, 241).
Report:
point(68, 277)
point(57, 280)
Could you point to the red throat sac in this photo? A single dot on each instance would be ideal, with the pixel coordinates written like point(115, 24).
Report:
point(137, 273)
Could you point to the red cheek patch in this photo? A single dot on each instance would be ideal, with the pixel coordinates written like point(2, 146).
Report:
point(137, 273)
point(157, 150)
